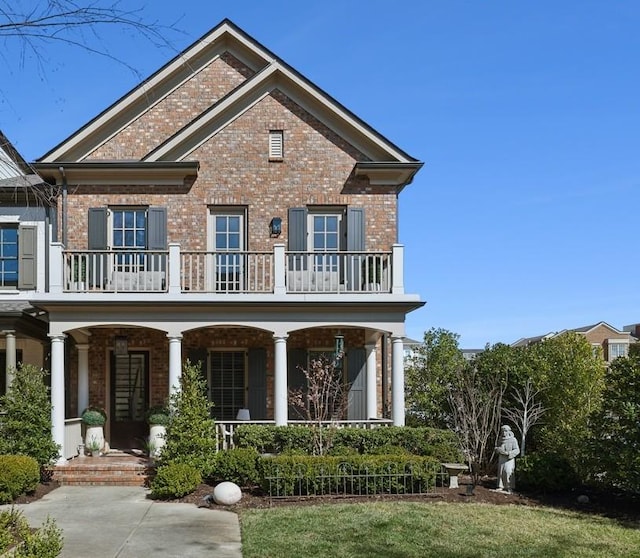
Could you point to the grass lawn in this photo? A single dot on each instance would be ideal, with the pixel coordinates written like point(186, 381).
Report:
point(409, 529)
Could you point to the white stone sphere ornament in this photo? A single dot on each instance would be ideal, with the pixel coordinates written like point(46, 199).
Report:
point(227, 493)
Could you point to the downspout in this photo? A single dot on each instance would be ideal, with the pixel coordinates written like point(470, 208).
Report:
point(64, 206)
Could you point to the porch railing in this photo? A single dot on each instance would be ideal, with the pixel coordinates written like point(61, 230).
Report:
point(278, 272)
point(227, 272)
point(225, 429)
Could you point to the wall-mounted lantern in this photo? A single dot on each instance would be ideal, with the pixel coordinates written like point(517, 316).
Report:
point(275, 227)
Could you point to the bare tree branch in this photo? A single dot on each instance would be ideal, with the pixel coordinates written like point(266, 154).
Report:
point(528, 412)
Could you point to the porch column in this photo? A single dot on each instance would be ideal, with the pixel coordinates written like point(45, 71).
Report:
point(57, 392)
point(10, 355)
point(397, 381)
point(175, 362)
point(83, 376)
point(372, 388)
point(280, 388)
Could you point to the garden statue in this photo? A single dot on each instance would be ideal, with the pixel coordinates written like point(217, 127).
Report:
point(507, 451)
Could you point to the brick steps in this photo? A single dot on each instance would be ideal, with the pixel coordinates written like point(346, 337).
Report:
point(109, 470)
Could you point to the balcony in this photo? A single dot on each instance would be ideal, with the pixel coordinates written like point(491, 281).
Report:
point(248, 272)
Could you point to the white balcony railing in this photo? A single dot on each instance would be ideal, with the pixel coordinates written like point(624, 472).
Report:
point(175, 271)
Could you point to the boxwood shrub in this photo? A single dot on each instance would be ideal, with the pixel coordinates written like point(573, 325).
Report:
point(545, 472)
point(175, 480)
point(301, 475)
point(239, 465)
point(19, 474)
point(441, 444)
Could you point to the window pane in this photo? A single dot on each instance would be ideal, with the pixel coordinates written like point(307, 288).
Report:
point(234, 224)
point(234, 242)
point(140, 219)
point(117, 219)
point(117, 238)
point(128, 238)
point(128, 219)
point(221, 224)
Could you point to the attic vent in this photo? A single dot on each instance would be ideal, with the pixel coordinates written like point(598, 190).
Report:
point(276, 145)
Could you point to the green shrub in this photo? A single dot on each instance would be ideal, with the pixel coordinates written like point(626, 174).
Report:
point(45, 542)
point(190, 436)
point(158, 415)
point(359, 474)
point(237, 465)
point(545, 472)
point(175, 480)
point(92, 416)
point(441, 444)
point(25, 428)
point(19, 474)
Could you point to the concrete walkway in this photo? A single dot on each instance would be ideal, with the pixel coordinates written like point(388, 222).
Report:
point(117, 521)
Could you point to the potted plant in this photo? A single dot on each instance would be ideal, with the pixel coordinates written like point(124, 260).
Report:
point(158, 419)
point(94, 420)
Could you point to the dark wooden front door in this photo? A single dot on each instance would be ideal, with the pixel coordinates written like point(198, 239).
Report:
point(129, 399)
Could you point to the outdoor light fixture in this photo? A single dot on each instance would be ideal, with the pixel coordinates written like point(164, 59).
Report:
point(275, 227)
point(121, 345)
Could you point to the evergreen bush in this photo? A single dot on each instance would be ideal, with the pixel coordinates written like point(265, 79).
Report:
point(190, 436)
point(237, 465)
point(19, 474)
point(545, 472)
point(45, 542)
point(25, 427)
point(175, 480)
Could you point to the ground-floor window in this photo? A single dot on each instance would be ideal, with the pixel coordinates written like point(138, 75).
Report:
point(227, 381)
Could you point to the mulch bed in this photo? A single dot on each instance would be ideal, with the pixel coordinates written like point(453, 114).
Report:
point(621, 506)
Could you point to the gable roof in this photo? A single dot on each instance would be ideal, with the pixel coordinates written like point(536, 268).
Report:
point(386, 163)
point(14, 170)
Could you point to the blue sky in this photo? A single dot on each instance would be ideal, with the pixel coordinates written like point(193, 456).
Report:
point(527, 116)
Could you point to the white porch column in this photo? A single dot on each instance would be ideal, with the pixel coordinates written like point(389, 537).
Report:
point(10, 355)
point(397, 381)
point(175, 362)
point(83, 376)
point(57, 392)
point(372, 388)
point(279, 269)
point(280, 388)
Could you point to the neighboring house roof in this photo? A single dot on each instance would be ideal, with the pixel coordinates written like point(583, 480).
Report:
point(525, 341)
point(14, 170)
point(384, 164)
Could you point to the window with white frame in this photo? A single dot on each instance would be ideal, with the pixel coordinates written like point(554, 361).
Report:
point(616, 349)
point(9, 256)
point(276, 145)
point(129, 233)
point(326, 234)
point(227, 242)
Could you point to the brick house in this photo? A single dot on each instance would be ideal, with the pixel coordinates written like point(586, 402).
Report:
point(606, 340)
point(229, 212)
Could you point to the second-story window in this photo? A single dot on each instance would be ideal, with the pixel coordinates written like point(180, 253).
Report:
point(325, 237)
point(617, 350)
point(228, 244)
point(9, 256)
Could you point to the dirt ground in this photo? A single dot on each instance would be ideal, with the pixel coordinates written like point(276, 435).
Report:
point(624, 507)
point(621, 506)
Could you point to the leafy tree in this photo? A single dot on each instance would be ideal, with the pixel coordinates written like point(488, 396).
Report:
point(429, 373)
point(571, 379)
point(525, 412)
point(615, 444)
point(25, 429)
point(190, 436)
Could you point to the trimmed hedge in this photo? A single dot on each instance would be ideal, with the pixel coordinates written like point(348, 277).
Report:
point(301, 475)
point(239, 465)
point(19, 474)
point(441, 444)
point(175, 480)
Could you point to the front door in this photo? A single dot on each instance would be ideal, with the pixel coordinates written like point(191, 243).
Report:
point(129, 399)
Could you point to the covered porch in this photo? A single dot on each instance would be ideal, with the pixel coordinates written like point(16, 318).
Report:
point(88, 354)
